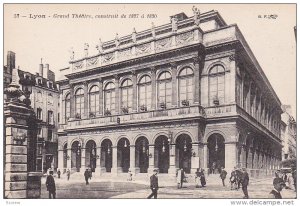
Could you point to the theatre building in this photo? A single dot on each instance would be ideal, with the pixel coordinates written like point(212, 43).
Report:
point(189, 94)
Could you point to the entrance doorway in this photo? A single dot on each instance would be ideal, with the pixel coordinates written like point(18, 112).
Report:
point(184, 152)
point(106, 155)
point(141, 154)
point(162, 154)
point(216, 154)
point(124, 154)
point(90, 155)
point(76, 156)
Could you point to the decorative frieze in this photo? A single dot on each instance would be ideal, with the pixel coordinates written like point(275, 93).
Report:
point(163, 44)
point(143, 49)
point(185, 38)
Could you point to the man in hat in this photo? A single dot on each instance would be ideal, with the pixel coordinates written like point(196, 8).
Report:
point(223, 175)
point(153, 185)
point(86, 176)
point(50, 184)
point(245, 182)
point(278, 184)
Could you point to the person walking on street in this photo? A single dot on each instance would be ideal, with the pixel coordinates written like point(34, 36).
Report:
point(50, 184)
point(68, 174)
point(223, 175)
point(233, 179)
point(180, 177)
point(153, 185)
point(129, 177)
point(197, 178)
point(90, 173)
point(86, 176)
point(245, 182)
point(202, 178)
point(58, 173)
point(278, 184)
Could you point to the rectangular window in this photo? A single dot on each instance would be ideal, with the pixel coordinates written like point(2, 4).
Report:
point(39, 113)
point(49, 135)
point(50, 117)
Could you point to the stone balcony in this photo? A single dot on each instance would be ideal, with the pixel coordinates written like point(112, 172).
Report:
point(190, 112)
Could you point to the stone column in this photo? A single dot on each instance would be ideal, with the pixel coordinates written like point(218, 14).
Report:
point(151, 158)
point(86, 106)
point(205, 157)
point(114, 169)
point(117, 95)
point(69, 158)
point(197, 81)
point(101, 99)
point(172, 168)
point(98, 161)
point(195, 157)
point(249, 161)
point(243, 156)
point(72, 101)
point(82, 167)
point(174, 84)
point(60, 158)
point(134, 91)
point(230, 155)
point(132, 159)
point(153, 89)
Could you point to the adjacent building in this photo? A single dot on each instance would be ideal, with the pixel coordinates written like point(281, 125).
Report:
point(187, 94)
point(288, 134)
point(45, 102)
point(7, 70)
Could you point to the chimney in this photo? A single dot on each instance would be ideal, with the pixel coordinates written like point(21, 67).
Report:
point(46, 71)
point(41, 70)
point(11, 61)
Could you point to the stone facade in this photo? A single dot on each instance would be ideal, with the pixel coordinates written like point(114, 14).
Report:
point(187, 94)
point(288, 134)
point(45, 102)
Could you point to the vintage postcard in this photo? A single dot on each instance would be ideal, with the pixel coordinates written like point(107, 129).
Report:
point(137, 101)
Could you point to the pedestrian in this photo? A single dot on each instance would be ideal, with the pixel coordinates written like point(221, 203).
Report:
point(239, 176)
point(233, 179)
point(179, 178)
point(197, 178)
point(58, 173)
point(202, 178)
point(214, 167)
point(50, 184)
point(294, 175)
point(278, 184)
point(86, 176)
point(90, 173)
point(129, 178)
point(153, 185)
point(68, 174)
point(223, 174)
point(245, 182)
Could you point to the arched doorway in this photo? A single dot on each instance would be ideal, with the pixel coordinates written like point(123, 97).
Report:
point(162, 154)
point(106, 155)
point(90, 155)
point(76, 156)
point(183, 152)
point(65, 152)
point(141, 154)
point(123, 154)
point(216, 147)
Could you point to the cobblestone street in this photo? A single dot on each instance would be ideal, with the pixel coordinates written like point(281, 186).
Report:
point(116, 188)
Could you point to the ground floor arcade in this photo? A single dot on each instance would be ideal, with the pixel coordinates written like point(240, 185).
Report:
point(168, 148)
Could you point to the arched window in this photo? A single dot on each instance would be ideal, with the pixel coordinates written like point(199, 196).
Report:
point(126, 98)
point(216, 85)
point(67, 107)
point(94, 101)
point(109, 98)
point(144, 91)
point(185, 81)
point(79, 103)
point(164, 90)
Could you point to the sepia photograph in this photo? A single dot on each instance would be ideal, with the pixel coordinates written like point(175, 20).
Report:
point(141, 101)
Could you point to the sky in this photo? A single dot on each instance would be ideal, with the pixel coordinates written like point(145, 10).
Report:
point(271, 40)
